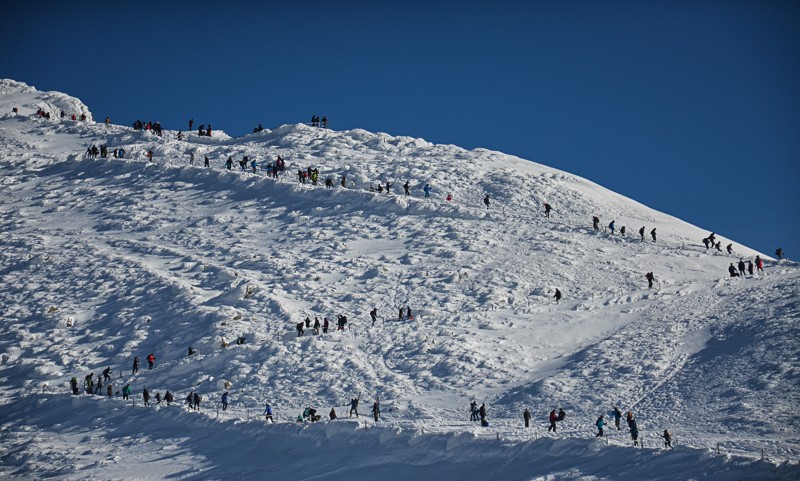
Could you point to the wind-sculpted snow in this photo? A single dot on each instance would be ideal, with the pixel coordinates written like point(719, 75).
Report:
point(102, 260)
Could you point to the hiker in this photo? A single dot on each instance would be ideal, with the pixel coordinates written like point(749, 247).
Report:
point(653, 234)
point(732, 271)
point(595, 222)
point(750, 267)
point(88, 383)
point(741, 267)
point(73, 384)
point(107, 374)
point(547, 209)
point(110, 390)
point(486, 200)
point(332, 414)
point(197, 400)
point(206, 162)
point(225, 400)
point(557, 296)
point(473, 411)
point(299, 327)
point(268, 413)
point(146, 396)
point(617, 416)
point(158, 398)
point(759, 264)
point(427, 190)
point(650, 278)
point(191, 351)
point(151, 360)
point(629, 418)
point(526, 416)
point(400, 314)
point(667, 439)
point(409, 316)
point(168, 397)
point(641, 233)
point(611, 226)
point(229, 162)
point(316, 326)
point(729, 248)
point(634, 432)
point(354, 406)
point(135, 365)
point(553, 418)
point(376, 411)
point(705, 242)
point(482, 414)
point(600, 424)
point(374, 315)
point(561, 414)
point(325, 325)
point(406, 188)
point(779, 253)
point(126, 391)
point(622, 231)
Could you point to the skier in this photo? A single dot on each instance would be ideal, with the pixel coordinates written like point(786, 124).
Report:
point(225, 400)
point(611, 226)
point(374, 315)
point(526, 416)
point(667, 439)
point(617, 416)
point(486, 200)
point(653, 234)
point(634, 432)
point(600, 423)
point(596, 222)
point(732, 271)
point(779, 253)
point(427, 190)
point(553, 419)
point(406, 187)
point(641, 233)
point(650, 278)
point(354, 406)
point(741, 267)
point(135, 365)
point(557, 296)
point(151, 360)
point(376, 411)
point(547, 209)
point(268, 413)
point(759, 264)
point(146, 396)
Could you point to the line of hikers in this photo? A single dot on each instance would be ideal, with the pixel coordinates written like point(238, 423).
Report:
point(404, 313)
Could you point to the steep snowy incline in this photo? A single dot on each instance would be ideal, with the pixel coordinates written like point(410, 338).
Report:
point(106, 259)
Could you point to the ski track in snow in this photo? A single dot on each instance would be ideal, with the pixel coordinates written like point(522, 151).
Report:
point(102, 260)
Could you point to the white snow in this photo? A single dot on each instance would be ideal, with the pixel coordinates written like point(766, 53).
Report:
point(102, 260)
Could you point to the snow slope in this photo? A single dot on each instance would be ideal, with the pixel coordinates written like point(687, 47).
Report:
point(106, 259)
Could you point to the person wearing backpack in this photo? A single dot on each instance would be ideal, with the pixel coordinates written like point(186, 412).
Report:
point(779, 253)
point(526, 416)
point(268, 413)
point(667, 439)
point(561, 415)
point(553, 418)
point(650, 278)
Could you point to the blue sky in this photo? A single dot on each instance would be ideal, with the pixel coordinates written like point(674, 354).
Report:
point(692, 108)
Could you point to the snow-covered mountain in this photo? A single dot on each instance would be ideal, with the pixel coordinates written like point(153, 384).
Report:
point(107, 259)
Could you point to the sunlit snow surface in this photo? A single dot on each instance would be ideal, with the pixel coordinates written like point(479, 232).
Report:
point(103, 260)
